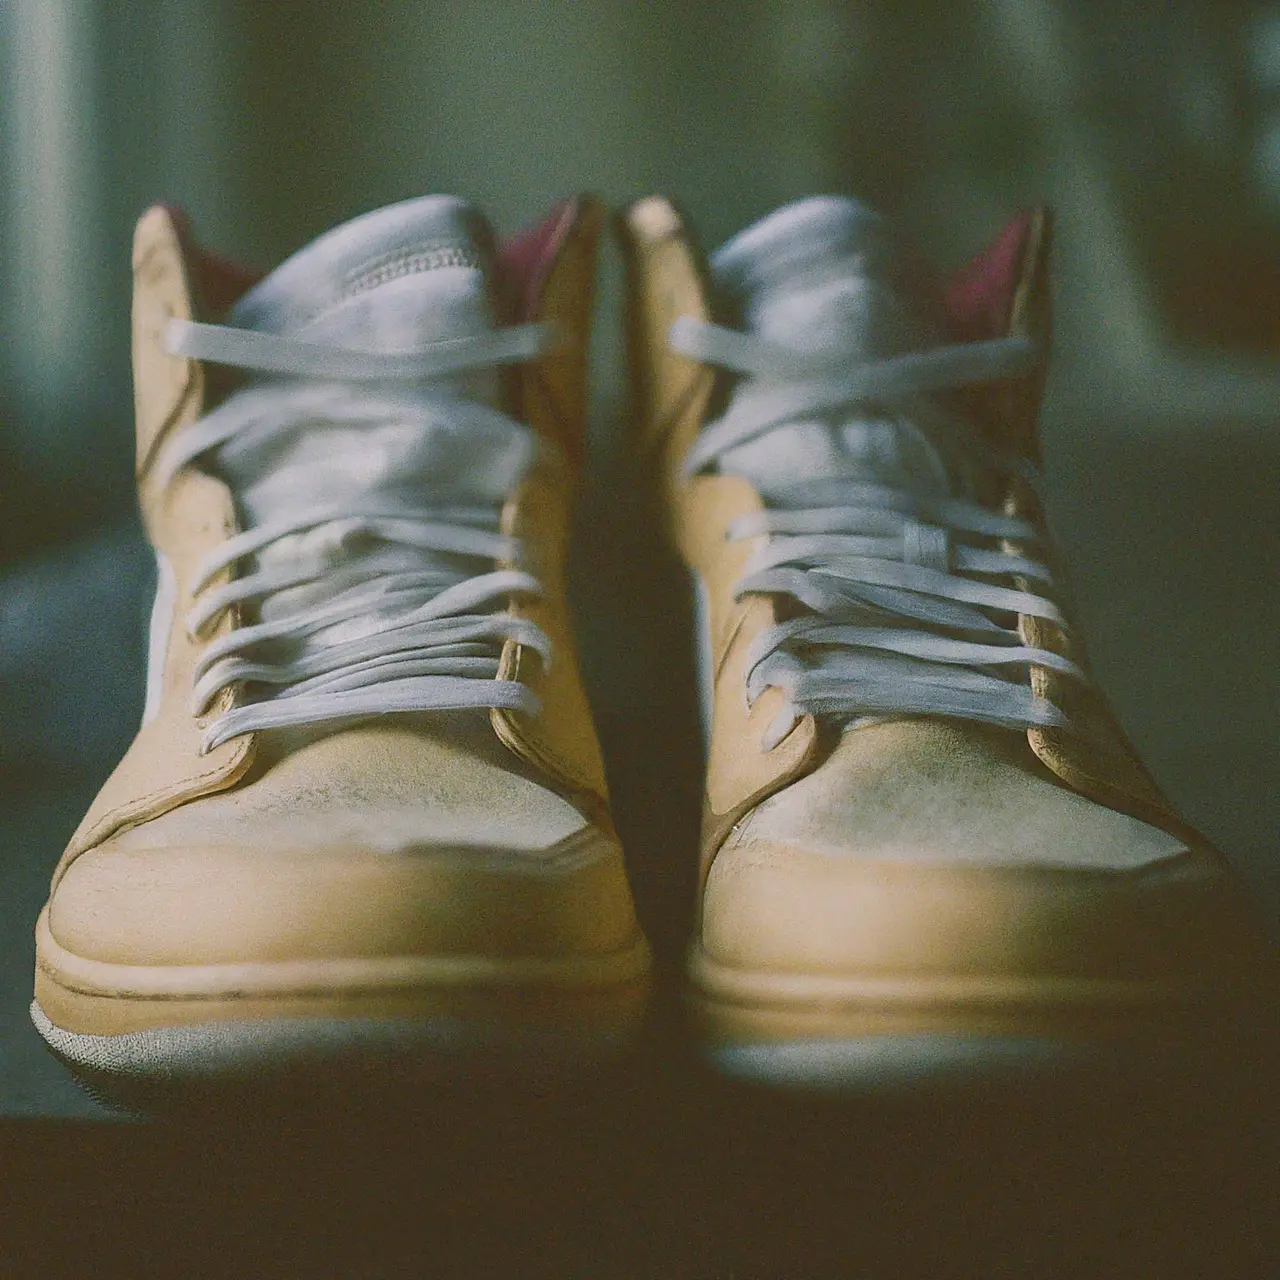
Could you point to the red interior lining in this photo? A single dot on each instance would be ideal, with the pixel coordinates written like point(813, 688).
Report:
point(524, 261)
point(521, 268)
point(979, 297)
point(218, 282)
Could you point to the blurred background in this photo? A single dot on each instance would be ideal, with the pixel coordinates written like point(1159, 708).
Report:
point(1151, 127)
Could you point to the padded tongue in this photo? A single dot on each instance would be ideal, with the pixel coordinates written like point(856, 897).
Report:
point(829, 274)
point(393, 280)
point(411, 273)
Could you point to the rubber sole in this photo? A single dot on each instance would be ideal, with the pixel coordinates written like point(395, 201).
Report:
point(843, 1035)
point(172, 1067)
point(144, 1036)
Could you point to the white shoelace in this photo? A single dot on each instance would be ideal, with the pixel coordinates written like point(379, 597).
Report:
point(904, 602)
point(391, 601)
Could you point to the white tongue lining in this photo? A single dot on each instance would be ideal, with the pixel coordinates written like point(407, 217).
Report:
point(828, 274)
point(396, 279)
point(900, 616)
point(417, 243)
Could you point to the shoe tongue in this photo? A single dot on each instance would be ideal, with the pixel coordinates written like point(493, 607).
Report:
point(393, 280)
point(411, 273)
point(828, 274)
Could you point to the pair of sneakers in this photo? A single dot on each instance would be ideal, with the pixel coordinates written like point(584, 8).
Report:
point(365, 817)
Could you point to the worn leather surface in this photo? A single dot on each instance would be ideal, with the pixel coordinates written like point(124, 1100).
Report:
point(670, 398)
point(184, 522)
point(915, 845)
point(938, 791)
point(773, 908)
point(281, 906)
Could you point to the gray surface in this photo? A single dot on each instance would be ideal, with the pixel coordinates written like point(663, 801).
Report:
point(33, 1084)
point(71, 655)
point(1172, 539)
point(72, 635)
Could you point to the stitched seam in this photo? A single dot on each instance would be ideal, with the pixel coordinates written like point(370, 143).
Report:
point(407, 262)
point(124, 811)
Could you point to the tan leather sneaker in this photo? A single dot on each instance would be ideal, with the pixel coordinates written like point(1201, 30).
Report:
point(365, 815)
point(928, 850)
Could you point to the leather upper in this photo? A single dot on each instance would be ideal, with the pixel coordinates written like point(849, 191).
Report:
point(551, 396)
point(548, 276)
point(336, 872)
point(672, 396)
point(184, 521)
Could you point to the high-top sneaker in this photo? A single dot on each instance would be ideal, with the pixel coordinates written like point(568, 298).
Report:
point(928, 850)
point(365, 816)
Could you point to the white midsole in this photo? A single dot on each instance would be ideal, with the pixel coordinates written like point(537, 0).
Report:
point(212, 1049)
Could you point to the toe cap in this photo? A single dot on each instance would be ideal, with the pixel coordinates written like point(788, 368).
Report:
point(199, 905)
